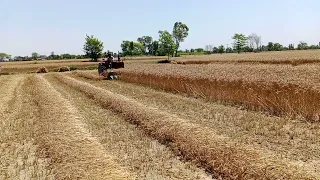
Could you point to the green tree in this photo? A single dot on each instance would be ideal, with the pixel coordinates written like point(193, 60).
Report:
point(240, 40)
point(125, 46)
point(4, 55)
point(302, 45)
point(221, 49)
point(199, 50)
point(270, 46)
point(146, 41)
point(130, 48)
point(277, 47)
point(180, 32)
point(154, 48)
point(34, 55)
point(93, 47)
point(167, 42)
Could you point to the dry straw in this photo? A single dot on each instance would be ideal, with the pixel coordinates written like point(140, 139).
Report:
point(63, 137)
point(63, 69)
point(217, 154)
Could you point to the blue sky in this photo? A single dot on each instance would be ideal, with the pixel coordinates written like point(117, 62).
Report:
point(43, 26)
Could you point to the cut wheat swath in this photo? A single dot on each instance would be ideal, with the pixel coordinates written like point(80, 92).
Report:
point(217, 154)
point(75, 153)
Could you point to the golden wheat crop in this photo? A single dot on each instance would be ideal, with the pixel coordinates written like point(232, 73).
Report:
point(287, 138)
point(280, 90)
point(263, 57)
point(217, 154)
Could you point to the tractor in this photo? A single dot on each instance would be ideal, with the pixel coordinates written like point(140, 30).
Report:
point(106, 68)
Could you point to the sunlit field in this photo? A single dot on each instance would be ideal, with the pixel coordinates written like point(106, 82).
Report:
point(221, 116)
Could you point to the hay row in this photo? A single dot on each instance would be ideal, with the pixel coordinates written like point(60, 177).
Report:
point(63, 137)
point(217, 154)
point(17, 146)
point(131, 146)
point(87, 75)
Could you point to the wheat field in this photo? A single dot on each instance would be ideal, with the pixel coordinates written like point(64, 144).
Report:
point(191, 120)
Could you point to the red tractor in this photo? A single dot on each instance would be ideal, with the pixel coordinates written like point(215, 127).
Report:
point(106, 67)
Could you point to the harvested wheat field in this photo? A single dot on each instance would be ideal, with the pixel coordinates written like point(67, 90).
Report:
point(162, 121)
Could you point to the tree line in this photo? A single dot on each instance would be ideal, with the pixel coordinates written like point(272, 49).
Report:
point(168, 44)
point(250, 43)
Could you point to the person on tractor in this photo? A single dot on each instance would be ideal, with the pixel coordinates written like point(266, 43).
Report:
point(109, 61)
point(105, 64)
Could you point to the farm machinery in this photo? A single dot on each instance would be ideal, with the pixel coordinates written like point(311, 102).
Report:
point(106, 68)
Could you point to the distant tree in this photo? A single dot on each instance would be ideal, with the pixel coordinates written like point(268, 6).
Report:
point(199, 50)
point(138, 49)
point(291, 47)
point(191, 50)
point(247, 49)
point(154, 47)
point(221, 49)
point(215, 50)
point(270, 46)
point(229, 50)
point(131, 47)
point(251, 43)
point(180, 32)
point(240, 41)
point(254, 41)
point(125, 46)
point(34, 55)
point(93, 47)
point(167, 42)
point(277, 47)
point(146, 41)
point(3, 55)
point(207, 48)
point(313, 47)
point(302, 45)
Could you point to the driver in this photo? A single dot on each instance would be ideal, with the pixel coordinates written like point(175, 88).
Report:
point(109, 61)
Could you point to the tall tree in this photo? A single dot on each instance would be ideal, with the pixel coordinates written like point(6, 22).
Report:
point(93, 47)
point(146, 41)
point(180, 32)
point(167, 42)
point(240, 40)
